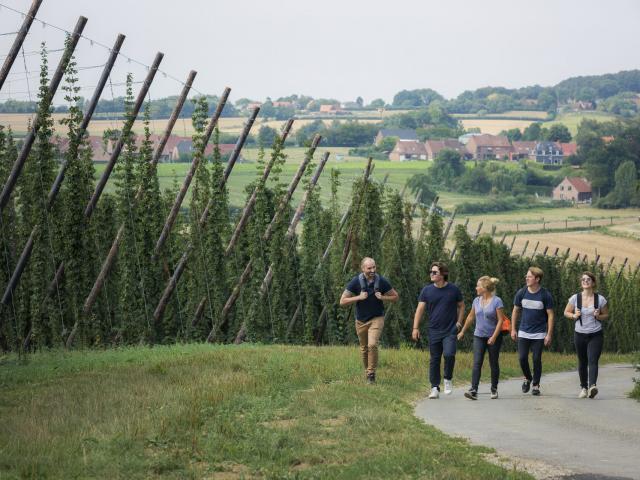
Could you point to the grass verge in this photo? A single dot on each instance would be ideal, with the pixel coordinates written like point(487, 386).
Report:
point(202, 411)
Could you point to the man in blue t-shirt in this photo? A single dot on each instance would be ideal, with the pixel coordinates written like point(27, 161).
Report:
point(445, 309)
point(535, 304)
point(368, 290)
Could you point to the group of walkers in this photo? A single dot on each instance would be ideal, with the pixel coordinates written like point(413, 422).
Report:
point(531, 325)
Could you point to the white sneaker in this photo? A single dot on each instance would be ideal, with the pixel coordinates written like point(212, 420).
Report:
point(435, 393)
point(448, 387)
point(494, 394)
point(583, 393)
point(593, 391)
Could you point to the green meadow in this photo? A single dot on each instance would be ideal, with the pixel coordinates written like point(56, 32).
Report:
point(223, 411)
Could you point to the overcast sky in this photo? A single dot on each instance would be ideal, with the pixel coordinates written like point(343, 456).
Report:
point(337, 48)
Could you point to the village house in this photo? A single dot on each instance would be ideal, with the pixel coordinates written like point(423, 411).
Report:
point(569, 148)
point(522, 150)
point(408, 150)
point(395, 133)
point(434, 147)
point(548, 153)
point(489, 147)
point(574, 189)
point(330, 109)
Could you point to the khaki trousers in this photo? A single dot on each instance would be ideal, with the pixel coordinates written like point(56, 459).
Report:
point(368, 336)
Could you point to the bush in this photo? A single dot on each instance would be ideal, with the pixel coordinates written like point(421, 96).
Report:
point(503, 204)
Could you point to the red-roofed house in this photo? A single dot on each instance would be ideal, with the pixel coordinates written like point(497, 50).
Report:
point(575, 189)
point(489, 147)
point(408, 150)
point(434, 146)
point(522, 149)
point(568, 148)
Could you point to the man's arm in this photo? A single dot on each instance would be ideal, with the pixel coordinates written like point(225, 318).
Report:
point(460, 319)
point(348, 298)
point(415, 334)
point(550, 320)
point(514, 321)
point(390, 296)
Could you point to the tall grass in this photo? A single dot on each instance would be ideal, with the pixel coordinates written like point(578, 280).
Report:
point(201, 411)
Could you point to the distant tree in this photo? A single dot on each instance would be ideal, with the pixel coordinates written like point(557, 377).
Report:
point(416, 98)
point(360, 102)
point(533, 132)
point(377, 103)
point(266, 136)
point(421, 182)
point(547, 100)
point(558, 132)
point(447, 166)
point(267, 110)
point(513, 134)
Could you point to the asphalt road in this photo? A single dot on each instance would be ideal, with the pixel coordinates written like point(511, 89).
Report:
point(577, 438)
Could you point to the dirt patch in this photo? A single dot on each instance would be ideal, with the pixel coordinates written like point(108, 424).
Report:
point(333, 422)
point(283, 424)
point(231, 471)
point(535, 468)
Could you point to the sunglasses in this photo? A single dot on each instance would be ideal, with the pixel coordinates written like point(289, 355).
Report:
point(434, 272)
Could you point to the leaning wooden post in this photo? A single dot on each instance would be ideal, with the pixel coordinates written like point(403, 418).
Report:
point(526, 244)
point(266, 237)
point(266, 282)
point(535, 249)
point(126, 130)
point(195, 163)
point(162, 304)
point(610, 263)
point(26, 252)
point(555, 253)
point(624, 264)
point(504, 237)
point(115, 245)
point(18, 41)
point(475, 236)
point(493, 231)
point(248, 208)
point(449, 223)
point(89, 113)
point(347, 243)
point(31, 136)
point(512, 242)
point(88, 211)
point(544, 253)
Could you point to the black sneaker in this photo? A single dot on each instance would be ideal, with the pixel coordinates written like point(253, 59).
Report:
point(471, 394)
point(371, 378)
point(526, 385)
point(535, 390)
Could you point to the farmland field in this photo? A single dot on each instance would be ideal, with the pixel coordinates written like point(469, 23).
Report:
point(233, 125)
point(509, 114)
point(494, 126)
point(585, 243)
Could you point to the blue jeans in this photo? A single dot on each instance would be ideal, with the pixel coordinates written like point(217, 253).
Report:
point(437, 348)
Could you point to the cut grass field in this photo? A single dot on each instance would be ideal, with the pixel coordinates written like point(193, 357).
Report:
point(202, 411)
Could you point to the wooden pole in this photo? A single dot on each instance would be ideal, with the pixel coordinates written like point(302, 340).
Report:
point(195, 163)
point(115, 245)
point(266, 282)
point(266, 237)
point(248, 208)
point(88, 211)
point(53, 193)
point(18, 41)
point(31, 136)
point(526, 244)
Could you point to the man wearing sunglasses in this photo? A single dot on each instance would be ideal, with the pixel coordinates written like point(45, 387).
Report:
point(445, 308)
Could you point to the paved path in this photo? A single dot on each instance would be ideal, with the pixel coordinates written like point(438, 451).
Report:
point(587, 438)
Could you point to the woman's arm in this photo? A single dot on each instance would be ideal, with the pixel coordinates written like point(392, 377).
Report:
point(471, 316)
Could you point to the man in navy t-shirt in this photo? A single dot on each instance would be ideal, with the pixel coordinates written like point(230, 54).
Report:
point(445, 309)
point(368, 290)
point(535, 305)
